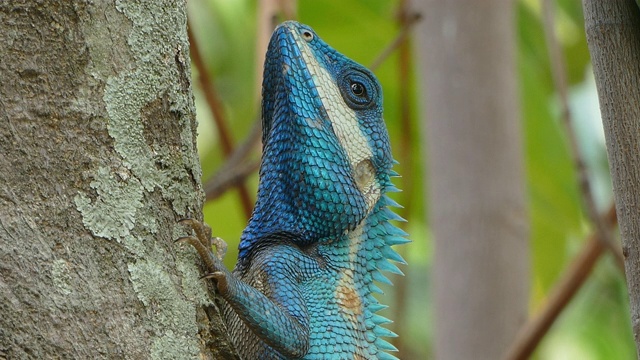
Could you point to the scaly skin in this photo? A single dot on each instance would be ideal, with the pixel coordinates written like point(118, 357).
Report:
point(319, 235)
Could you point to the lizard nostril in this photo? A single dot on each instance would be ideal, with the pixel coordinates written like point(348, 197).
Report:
point(307, 35)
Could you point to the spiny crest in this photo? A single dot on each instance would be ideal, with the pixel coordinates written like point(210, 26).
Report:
point(380, 257)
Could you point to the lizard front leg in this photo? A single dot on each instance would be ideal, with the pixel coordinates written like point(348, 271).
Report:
point(281, 319)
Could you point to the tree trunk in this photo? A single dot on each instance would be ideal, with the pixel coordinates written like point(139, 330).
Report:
point(477, 195)
point(97, 136)
point(613, 36)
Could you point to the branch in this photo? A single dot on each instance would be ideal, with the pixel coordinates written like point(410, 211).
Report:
point(560, 81)
point(411, 20)
point(613, 36)
point(218, 115)
point(229, 179)
point(565, 289)
point(211, 95)
point(235, 169)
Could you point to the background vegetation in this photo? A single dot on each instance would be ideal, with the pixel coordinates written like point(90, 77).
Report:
point(595, 325)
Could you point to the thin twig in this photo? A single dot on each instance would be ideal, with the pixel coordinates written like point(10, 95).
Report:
point(560, 80)
point(211, 95)
point(233, 171)
point(411, 20)
point(563, 291)
point(218, 115)
point(230, 178)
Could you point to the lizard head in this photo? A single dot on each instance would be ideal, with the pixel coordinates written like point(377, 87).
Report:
point(326, 156)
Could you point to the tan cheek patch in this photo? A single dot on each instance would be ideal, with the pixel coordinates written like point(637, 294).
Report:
point(365, 176)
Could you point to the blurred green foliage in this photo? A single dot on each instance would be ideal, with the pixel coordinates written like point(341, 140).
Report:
point(596, 324)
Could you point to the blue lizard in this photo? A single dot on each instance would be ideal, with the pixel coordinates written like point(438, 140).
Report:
point(319, 234)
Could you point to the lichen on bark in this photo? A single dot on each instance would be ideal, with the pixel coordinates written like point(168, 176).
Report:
point(119, 206)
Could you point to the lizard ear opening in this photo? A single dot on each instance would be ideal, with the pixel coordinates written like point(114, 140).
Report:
point(364, 175)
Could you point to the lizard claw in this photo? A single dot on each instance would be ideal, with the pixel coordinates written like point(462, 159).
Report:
point(202, 242)
point(220, 278)
point(214, 275)
point(186, 239)
point(203, 231)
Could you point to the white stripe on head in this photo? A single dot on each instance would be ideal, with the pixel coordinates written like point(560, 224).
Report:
point(345, 125)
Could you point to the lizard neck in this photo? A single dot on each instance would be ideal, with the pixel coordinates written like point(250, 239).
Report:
point(312, 196)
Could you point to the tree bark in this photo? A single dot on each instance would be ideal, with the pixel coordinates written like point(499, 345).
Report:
point(476, 192)
point(613, 36)
point(97, 136)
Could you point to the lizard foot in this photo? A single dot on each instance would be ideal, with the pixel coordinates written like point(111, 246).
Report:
point(202, 242)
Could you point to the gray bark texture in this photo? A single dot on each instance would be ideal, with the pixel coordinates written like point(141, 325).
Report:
point(476, 180)
point(98, 161)
point(613, 36)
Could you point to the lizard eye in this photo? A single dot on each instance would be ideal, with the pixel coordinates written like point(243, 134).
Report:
point(359, 90)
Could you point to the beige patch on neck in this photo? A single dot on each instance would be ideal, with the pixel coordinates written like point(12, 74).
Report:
point(349, 300)
point(365, 176)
